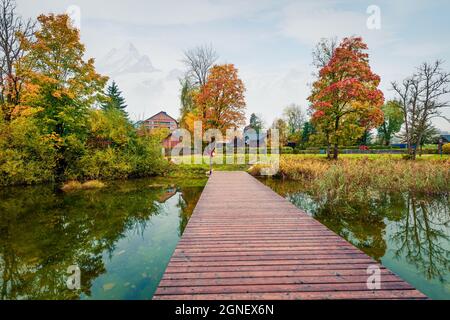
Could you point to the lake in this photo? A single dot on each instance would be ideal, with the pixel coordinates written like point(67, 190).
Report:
point(408, 233)
point(122, 237)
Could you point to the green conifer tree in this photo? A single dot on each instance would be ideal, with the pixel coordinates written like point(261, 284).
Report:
point(114, 99)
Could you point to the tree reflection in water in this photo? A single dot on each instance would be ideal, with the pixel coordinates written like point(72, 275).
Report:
point(422, 235)
point(43, 232)
point(412, 229)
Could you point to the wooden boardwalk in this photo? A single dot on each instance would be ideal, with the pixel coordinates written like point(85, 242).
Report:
point(244, 241)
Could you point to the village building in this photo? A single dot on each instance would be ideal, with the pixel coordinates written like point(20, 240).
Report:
point(162, 120)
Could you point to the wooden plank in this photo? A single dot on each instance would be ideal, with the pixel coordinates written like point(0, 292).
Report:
point(267, 288)
point(271, 280)
point(273, 268)
point(270, 273)
point(364, 294)
point(244, 241)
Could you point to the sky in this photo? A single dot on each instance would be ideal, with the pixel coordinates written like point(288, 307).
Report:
point(140, 44)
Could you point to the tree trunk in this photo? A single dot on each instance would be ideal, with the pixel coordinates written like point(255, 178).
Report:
point(335, 151)
point(336, 144)
point(414, 153)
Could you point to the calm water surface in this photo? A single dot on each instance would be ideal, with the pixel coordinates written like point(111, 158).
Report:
point(408, 233)
point(121, 237)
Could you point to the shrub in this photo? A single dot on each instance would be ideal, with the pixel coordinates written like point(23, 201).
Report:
point(26, 156)
point(446, 148)
point(428, 151)
point(105, 164)
point(287, 150)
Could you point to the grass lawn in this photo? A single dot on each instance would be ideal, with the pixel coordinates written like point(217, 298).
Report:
point(230, 161)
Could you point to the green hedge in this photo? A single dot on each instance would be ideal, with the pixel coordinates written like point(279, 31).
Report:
point(287, 150)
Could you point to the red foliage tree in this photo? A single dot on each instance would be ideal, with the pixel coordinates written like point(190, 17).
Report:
point(345, 100)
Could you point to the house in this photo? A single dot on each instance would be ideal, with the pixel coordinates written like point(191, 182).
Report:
point(445, 138)
point(161, 120)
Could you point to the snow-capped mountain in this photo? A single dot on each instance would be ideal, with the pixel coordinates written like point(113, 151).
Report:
point(127, 59)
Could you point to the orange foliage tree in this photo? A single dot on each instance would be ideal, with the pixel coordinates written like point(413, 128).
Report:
point(345, 100)
point(60, 86)
point(220, 102)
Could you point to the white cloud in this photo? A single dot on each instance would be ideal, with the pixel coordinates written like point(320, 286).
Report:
point(162, 13)
point(309, 21)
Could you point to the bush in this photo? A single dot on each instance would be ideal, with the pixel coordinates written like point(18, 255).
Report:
point(115, 151)
point(26, 156)
point(287, 150)
point(111, 150)
point(446, 148)
point(428, 151)
point(104, 164)
point(145, 156)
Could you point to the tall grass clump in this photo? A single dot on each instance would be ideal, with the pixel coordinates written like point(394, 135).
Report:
point(358, 177)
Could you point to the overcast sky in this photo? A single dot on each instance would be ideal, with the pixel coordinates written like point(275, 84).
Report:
point(270, 42)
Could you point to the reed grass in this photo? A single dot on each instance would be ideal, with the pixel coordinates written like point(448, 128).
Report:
point(357, 177)
point(76, 185)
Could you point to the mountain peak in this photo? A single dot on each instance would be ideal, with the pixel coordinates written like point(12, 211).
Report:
point(125, 60)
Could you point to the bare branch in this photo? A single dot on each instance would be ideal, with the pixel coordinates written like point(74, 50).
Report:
point(199, 61)
point(323, 51)
point(422, 97)
point(11, 25)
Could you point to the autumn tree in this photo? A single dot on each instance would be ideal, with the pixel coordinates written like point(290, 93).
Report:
point(60, 85)
point(345, 100)
point(220, 102)
point(422, 96)
point(393, 120)
point(198, 62)
point(11, 25)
